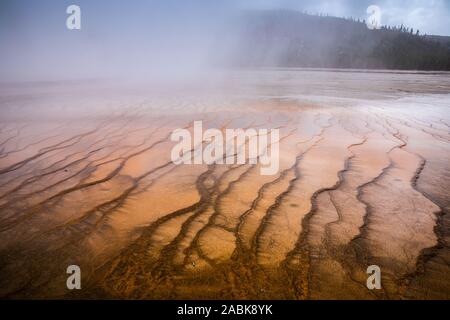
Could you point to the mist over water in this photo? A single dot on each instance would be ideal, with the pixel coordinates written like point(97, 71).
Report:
point(162, 41)
point(143, 40)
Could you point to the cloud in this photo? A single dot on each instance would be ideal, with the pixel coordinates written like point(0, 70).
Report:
point(430, 17)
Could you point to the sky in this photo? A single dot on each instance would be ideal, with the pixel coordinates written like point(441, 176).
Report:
point(142, 36)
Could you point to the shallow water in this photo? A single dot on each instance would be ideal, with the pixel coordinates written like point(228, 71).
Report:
point(86, 178)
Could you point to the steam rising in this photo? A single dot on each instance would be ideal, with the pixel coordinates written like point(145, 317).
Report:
point(150, 40)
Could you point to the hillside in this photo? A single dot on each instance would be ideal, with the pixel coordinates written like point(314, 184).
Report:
point(285, 38)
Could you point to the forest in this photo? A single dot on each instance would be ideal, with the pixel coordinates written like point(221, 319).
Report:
point(286, 38)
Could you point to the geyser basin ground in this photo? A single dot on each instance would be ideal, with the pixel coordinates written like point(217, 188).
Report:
point(86, 179)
